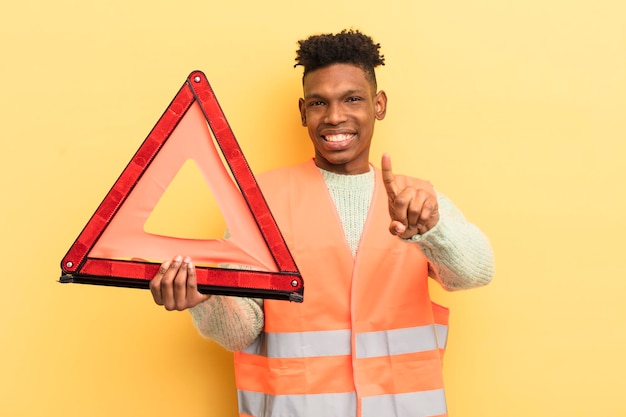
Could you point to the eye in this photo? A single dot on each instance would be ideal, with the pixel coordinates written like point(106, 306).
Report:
point(316, 103)
point(353, 99)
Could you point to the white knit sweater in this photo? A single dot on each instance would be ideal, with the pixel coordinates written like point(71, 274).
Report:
point(460, 258)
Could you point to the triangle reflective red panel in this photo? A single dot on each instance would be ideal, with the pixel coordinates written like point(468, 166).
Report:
point(115, 249)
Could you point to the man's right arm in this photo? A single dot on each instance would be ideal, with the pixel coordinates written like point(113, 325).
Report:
point(232, 322)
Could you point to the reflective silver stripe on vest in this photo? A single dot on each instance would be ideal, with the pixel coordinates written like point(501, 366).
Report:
point(397, 341)
point(301, 344)
point(442, 335)
point(337, 343)
point(258, 404)
point(413, 404)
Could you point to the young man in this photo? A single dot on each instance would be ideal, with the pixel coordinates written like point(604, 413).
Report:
point(367, 341)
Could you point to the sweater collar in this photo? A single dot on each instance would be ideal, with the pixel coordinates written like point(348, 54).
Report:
point(360, 181)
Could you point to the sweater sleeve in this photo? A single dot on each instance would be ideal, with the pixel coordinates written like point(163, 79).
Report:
point(459, 254)
point(232, 322)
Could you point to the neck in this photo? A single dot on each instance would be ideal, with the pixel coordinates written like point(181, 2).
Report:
point(343, 169)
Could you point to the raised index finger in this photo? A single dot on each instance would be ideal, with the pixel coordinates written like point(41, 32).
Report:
point(388, 178)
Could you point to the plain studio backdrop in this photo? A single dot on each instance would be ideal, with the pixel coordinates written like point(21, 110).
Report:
point(514, 109)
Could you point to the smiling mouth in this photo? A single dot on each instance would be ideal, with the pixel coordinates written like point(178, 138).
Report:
point(339, 137)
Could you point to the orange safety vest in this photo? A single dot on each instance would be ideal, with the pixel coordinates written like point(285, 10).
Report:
point(367, 341)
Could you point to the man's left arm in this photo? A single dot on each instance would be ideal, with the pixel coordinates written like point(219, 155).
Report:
point(459, 254)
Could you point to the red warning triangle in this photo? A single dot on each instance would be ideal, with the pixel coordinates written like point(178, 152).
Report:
point(107, 250)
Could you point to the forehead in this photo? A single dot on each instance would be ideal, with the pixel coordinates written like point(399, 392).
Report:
point(336, 78)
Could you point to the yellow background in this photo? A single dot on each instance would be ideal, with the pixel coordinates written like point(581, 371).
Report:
point(515, 109)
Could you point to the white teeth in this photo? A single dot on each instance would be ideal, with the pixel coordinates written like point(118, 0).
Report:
point(337, 138)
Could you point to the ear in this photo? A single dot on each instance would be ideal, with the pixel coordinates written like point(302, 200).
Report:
point(302, 111)
point(380, 105)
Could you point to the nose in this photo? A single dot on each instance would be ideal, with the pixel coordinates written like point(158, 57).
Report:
point(335, 114)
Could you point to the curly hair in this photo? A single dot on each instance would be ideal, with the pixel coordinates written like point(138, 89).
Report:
point(347, 47)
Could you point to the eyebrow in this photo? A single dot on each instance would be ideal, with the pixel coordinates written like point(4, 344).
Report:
point(357, 91)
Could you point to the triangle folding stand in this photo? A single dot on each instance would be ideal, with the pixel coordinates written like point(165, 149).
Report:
point(113, 249)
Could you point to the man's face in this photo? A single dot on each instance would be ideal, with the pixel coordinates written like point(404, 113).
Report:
point(339, 109)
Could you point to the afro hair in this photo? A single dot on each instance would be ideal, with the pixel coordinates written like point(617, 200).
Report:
point(346, 47)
